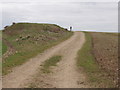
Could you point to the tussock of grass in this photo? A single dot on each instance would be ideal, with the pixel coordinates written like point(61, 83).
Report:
point(87, 61)
point(50, 62)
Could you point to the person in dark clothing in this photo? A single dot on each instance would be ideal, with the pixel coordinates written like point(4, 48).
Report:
point(70, 28)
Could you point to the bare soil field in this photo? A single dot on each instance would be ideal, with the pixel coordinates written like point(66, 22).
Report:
point(105, 49)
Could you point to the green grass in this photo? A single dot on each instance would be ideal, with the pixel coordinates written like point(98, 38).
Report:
point(0, 43)
point(4, 48)
point(85, 57)
point(0, 48)
point(0, 53)
point(87, 61)
point(50, 62)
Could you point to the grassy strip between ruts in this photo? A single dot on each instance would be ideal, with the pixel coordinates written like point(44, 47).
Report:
point(50, 62)
point(87, 61)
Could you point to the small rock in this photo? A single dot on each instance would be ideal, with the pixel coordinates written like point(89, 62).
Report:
point(17, 40)
point(80, 82)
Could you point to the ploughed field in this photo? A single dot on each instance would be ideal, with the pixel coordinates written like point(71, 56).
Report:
point(105, 49)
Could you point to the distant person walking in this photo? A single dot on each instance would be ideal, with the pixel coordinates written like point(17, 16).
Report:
point(70, 28)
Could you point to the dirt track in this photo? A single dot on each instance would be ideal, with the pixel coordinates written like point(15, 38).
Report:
point(65, 75)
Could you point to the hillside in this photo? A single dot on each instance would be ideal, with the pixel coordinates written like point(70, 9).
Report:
point(25, 40)
point(0, 43)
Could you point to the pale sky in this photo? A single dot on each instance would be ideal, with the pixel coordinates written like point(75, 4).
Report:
point(89, 15)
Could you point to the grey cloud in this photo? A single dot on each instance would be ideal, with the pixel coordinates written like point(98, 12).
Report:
point(82, 16)
point(59, 0)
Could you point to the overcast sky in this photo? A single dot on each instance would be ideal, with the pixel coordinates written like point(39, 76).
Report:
point(92, 16)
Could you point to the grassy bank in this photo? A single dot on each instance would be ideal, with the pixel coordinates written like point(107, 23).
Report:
point(4, 48)
point(0, 52)
point(87, 61)
point(0, 43)
point(28, 40)
point(50, 62)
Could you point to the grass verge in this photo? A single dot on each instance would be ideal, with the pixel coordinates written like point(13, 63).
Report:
point(50, 62)
point(87, 61)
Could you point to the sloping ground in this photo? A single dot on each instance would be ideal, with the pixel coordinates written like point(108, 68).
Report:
point(4, 48)
point(66, 75)
point(25, 40)
point(105, 49)
point(0, 59)
point(0, 43)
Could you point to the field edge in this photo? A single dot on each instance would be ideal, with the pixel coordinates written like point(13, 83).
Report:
point(86, 60)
